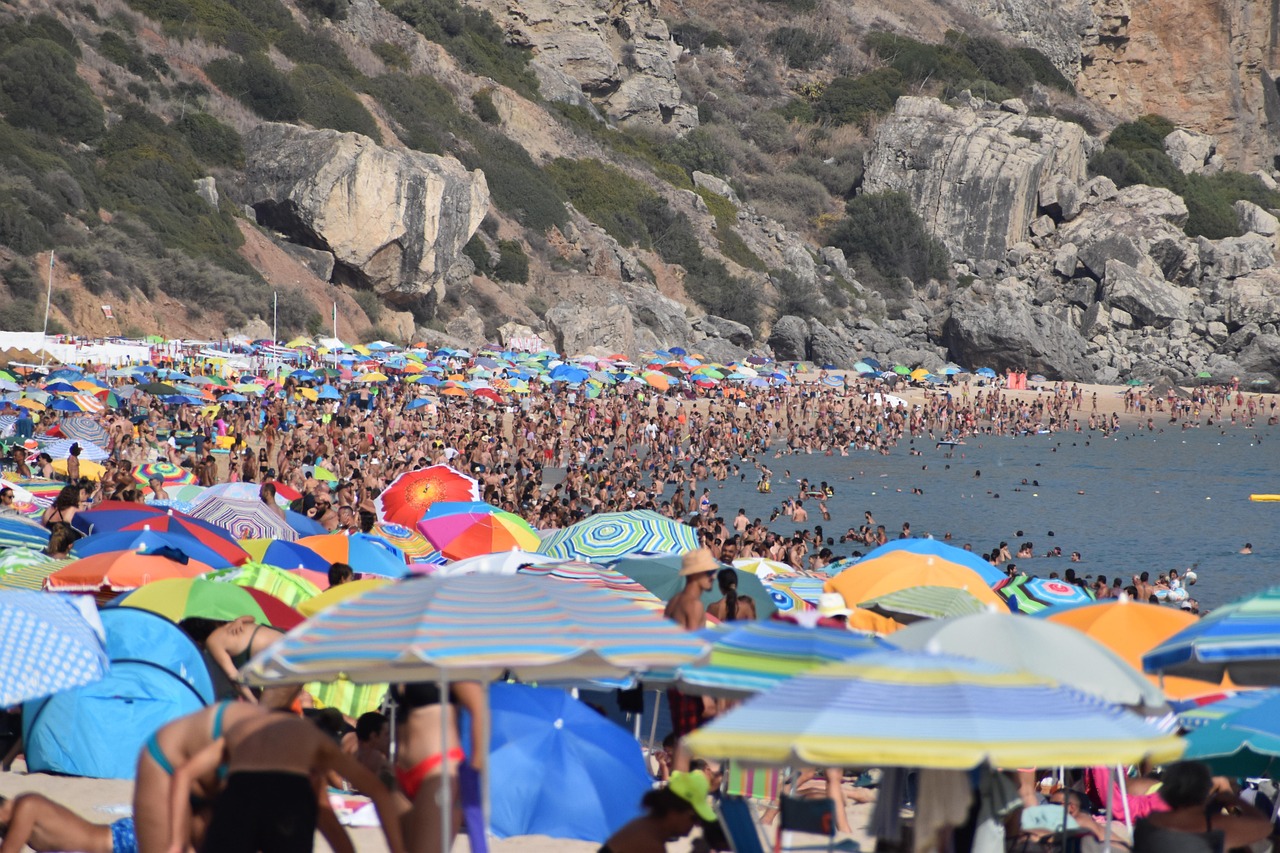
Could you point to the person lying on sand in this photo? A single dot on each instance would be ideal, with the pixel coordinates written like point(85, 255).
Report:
point(35, 821)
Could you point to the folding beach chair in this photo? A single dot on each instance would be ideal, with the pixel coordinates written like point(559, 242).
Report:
point(813, 816)
point(739, 825)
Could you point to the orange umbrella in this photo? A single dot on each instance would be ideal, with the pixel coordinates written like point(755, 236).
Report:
point(1131, 629)
point(117, 571)
point(899, 570)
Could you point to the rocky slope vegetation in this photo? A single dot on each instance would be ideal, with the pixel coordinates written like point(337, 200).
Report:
point(918, 182)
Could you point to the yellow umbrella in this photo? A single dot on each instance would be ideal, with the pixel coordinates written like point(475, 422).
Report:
point(33, 405)
point(88, 468)
point(919, 373)
point(351, 699)
point(310, 393)
point(373, 377)
point(334, 594)
point(299, 342)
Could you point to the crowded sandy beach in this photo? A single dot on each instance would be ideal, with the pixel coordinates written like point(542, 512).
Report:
point(254, 595)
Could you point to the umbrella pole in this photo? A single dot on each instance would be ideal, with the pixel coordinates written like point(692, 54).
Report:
point(392, 746)
point(1124, 798)
point(653, 725)
point(445, 798)
point(1106, 838)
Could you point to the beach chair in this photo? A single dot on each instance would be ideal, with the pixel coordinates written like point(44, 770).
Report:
point(812, 816)
point(739, 825)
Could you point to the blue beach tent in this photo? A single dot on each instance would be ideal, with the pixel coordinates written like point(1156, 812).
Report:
point(157, 675)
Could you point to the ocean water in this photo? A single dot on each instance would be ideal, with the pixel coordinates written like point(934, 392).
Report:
point(1133, 502)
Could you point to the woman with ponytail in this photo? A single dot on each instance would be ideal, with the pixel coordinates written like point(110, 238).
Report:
point(732, 607)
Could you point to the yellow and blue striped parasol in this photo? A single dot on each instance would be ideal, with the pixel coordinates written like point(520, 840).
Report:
point(913, 709)
point(1241, 639)
point(610, 535)
point(473, 628)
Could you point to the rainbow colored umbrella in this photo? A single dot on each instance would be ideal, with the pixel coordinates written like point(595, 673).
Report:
point(610, 535)
point(1032, 594)
point(180, 598)
point(285, 554)
point(410, 495)
point(912, 709)
point(1241, 639)
point(364, 553)
point(464, 529)
point(173, 475)
point(25, 568)
point(287, 586)
point(118, 571)
point(411, 542)
point(471, 628)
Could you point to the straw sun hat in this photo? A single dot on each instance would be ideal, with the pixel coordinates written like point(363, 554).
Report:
point(697, 563)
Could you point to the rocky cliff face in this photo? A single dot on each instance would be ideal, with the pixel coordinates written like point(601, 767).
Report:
point(394, 220)
point(617, 51)
point(977, 178)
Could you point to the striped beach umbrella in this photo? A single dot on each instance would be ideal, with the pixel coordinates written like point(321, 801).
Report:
point(364, 553)
point(118, 571)
point(285, 554)
point(85, 430)
point(172, 475)
point(25, 568)
point(756, 656)
point(337, 594)
point(471, 628)
point(44, 491)
point(610, 535)
point(244, 519)
point(1241, 639)
point(925, 602)
point(411, 542)
point(51, 643)
point(182, 598)
point(287, 586)
point(149, 541)
point(595, 575)
point(61, 449)
point(238, 492)
point(410, 495)
point(21, 533)
point(1038, 646)
point(1033, 595)
point(1237, 737)
point(911, 709)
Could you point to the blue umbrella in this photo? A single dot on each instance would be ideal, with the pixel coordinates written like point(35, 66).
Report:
point(1241, 639)
point(52, 643)
point(62, 404)
point(1238, 736)
point(328, 392)
point(985, 372)
point(232, 398)
point(558, 767)
point(19, 533)
point(149, 542)
point(304, 525)
point(949, 553)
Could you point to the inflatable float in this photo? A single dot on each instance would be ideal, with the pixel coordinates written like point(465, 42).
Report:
point(1264, 498)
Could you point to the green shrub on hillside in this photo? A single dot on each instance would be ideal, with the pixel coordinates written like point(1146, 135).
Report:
point(315, 48)
point(1002, 65)
point(918, 62)
point(1145, 133)
point(884, 227)
point(1045, 71)
point(606, 195)
point(258, 84)
point(478, 252)
point(513, 263)
point(693, 36)
point(471, 36)
point(645, 149)
point(327, 102)
point(39, 89)
point(800, 48)
point(214, 143)
point(395, 57)
point(699, 151)
point(732, 246)
point(126, 54)
point(484, 106)
point(334, 10)
point(215, 20)
point(852, 100)
point(425, 111)
point(42, 26)
point(294, 312)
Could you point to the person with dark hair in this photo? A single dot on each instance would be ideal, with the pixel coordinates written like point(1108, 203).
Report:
point(1205, 816)
point(340, 573)
point(35, 821)
point(65, 506)
point(61, 538)
point(732, 606)
point(670, 813)
point(230, 645)
point(370, 743)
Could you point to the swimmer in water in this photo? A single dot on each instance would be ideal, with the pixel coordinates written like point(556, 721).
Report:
point(1247, 549)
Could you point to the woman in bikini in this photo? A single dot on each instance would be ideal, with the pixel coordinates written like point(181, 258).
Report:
point(731, 607)
point(421, 758)
point(231, 645)
point(172, 746)
point(64, 509)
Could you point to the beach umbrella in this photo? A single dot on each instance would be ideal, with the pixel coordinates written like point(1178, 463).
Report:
point(23, 568)
point(51, 643)
point(349, 698)
point(763, 568)
point(610, 535)
point(499, 563)
point(1238, 736)
point(925, 602)
point(244, 519)
point(117, 571)
point(109, 516)
point(1131, 629)
point(469, 528)
point(752, 657)
point(911, 709)
point(286, 554)
point(172, 475)
point(410, 495)
point(914, 552)
point(211, 535)
point(468, 628)
point(149, 541)
point(985, 373)
point(244, 492)
point(61, 449)
point(660, 574)
point(366, 554)
point(595, 575)
point(289, 587)
point(303, 525)
point(411, 542)
point(559, 768)
point(335, 594)
point(872, 578)
point(89, 469)
point(1032, 594)
point(19, 533)
point(1241, 639)
point(181, 598)
point(1052, 651)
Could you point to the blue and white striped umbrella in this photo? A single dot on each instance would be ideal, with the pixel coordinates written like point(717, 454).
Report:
point(474, 628)
point(51, 643)
point(61, 449)
point(1241, 639)
point(914, 709)
point(20, 533)
point(85, 428)
point(610, 535)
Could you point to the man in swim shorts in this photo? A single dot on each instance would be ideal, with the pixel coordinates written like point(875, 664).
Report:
point(35, 821)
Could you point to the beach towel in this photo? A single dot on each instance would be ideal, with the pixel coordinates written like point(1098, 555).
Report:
point(1140, 805)
point(756, 783)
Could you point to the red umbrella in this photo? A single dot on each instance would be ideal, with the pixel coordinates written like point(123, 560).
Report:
point(289, 493)
point(208, 535)
point(408, 498)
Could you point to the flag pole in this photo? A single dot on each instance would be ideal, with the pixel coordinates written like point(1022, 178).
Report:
point(48, 299)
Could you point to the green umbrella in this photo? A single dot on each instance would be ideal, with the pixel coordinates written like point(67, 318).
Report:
point(925, 602)
point(158, 389)
point(660, 574)
point(1239, 736)
point(1204, 374)
point(901, 370)
point(1135, 382)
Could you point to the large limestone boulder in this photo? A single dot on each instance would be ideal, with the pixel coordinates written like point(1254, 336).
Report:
point(1193, 152)
point(1253, 298)
point(619, 51)
point(394, 219)
point(735, 333)
point(1144, 295)
point(996, 326)
point(609, 325)
point(974, 176)
point(789, 338)
point(1136, 225)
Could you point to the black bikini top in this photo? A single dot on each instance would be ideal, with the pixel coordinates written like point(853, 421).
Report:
point(419, 694)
